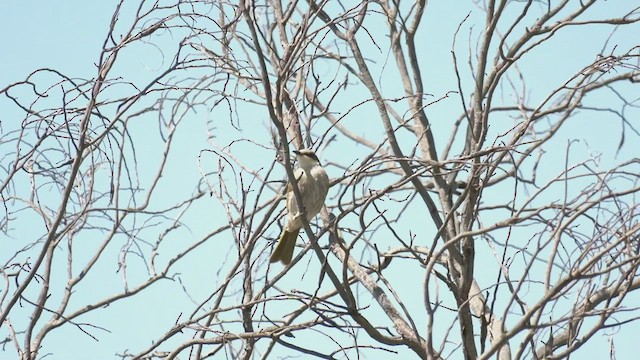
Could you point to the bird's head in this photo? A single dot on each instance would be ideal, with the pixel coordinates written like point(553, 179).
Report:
point(306, 158)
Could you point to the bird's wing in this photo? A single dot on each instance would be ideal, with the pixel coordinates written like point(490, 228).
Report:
point(292, 204)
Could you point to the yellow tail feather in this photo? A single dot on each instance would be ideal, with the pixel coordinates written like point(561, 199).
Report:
point(284, 250)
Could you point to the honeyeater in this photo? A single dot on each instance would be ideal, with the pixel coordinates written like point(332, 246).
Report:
point(313, 183)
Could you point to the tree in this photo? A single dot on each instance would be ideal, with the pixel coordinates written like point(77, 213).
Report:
point(473, 214)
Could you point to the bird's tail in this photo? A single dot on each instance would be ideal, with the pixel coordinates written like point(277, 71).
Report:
point(284, 250)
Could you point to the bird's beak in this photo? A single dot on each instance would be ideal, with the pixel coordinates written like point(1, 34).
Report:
point(296, 152)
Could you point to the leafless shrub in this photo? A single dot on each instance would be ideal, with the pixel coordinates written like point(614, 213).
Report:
point(466, 218)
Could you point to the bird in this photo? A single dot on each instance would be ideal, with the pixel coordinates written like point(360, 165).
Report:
point(313, 183)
